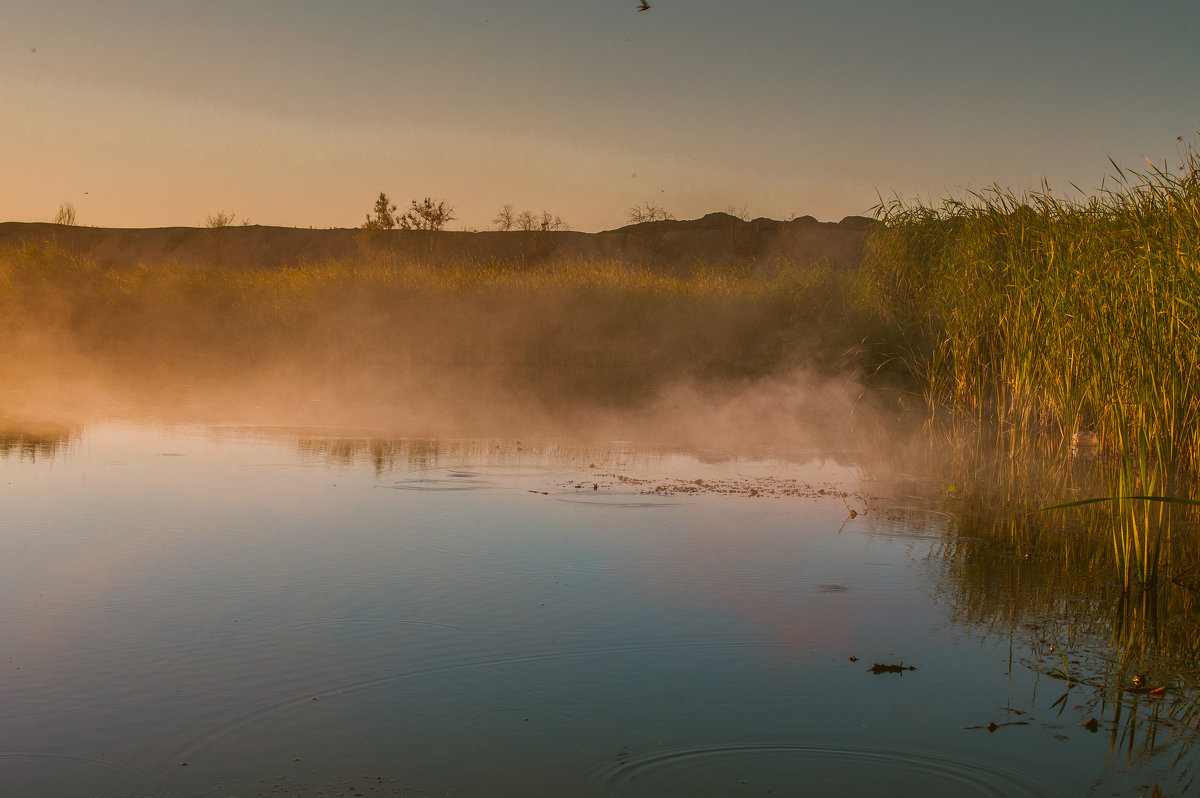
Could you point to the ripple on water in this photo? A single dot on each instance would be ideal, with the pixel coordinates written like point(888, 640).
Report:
point(450, 482)
point(369, 635)
point(66, 775)
point(467, 477)
point(524, 719)
point(500, 470)
point(622, 500)
point(336, 656)
point(816, 769)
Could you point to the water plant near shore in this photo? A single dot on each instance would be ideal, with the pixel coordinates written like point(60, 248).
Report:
point(1054, 316)
point(1043, 318)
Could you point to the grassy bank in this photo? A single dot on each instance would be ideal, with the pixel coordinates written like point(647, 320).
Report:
point(1047, 321)
point(470, 339)
point(1032, 320)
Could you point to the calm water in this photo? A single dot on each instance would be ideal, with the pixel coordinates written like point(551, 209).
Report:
point(228, 611)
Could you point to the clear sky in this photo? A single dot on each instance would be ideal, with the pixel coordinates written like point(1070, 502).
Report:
point(155, 113)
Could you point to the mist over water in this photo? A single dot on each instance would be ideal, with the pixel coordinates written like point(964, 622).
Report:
point(595, 349)
point(576, 529)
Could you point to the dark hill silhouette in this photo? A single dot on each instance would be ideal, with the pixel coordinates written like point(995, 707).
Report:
point(670, 246)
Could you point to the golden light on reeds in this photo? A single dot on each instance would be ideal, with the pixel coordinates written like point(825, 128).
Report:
point(383, 339)
point(1046, 318)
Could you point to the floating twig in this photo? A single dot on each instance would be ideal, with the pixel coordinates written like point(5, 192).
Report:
point(878, 668)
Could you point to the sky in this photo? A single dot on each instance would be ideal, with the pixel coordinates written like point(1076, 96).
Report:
point(297, 113)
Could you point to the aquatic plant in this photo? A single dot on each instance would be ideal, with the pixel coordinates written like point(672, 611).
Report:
point(1045, 319)
point(1044, 582)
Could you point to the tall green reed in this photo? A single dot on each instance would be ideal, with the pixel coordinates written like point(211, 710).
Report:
point(1047, 318)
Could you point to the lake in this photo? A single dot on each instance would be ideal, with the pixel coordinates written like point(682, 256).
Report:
point(193, 610)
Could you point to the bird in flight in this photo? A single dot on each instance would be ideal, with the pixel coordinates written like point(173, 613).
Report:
point(643, 5)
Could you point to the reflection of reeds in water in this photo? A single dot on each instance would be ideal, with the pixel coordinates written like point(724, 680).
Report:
point(1002, 495)
point(1113, 642)
point(384, 455)
point(1048, 318)
point(33, 441)
point(1045, 582)
point(408, 454)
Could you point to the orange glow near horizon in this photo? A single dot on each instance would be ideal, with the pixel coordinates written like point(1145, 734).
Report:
point(299, 115)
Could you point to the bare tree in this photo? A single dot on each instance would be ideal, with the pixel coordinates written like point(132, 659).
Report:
point(216, 221)
point(549, 222)
point(526, 221)
point(530, 222)
point(385, 215)
point(427, 215)
point(648, 212)
point(505, 219)
point(66, 214)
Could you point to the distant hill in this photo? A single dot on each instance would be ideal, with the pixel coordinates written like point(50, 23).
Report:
point(670, 246)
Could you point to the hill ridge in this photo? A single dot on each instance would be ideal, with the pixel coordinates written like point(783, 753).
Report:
point(672, 246)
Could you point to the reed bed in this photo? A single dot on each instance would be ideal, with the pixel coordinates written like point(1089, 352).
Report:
point(1052, 321)
point(1044, 582)
point(1063, 620)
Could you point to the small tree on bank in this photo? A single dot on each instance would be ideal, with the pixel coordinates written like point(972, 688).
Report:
point(742, 213)
point(648, 212)
point(648, 243)
point(426, 215)
point(533, 223)
point(220, 219)
point(66, 214)
point(385, 215)
point(505, 219)
point(527, 221)
point(219, 222)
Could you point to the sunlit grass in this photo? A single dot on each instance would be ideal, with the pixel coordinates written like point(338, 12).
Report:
point(1046, 318)
point(1053, 316)
point(1028, 317)
point(590, 332)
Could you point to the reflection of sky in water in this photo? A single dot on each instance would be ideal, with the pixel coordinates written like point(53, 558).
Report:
point(238, 602)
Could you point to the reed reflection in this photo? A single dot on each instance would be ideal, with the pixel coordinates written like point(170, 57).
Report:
point(1118, 659)
point(31, 442)
point(391, 454)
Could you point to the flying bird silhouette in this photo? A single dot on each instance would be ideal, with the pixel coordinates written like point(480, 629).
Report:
point(643, 5)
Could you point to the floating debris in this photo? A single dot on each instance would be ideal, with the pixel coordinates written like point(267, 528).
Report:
point(991, 726)
point(1153, 692)
point(760, 487)
point(878, 668)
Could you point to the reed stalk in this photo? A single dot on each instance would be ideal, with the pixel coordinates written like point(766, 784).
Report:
point(1047, 318)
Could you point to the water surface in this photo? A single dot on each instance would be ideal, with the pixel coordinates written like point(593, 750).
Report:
point(206, 610)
